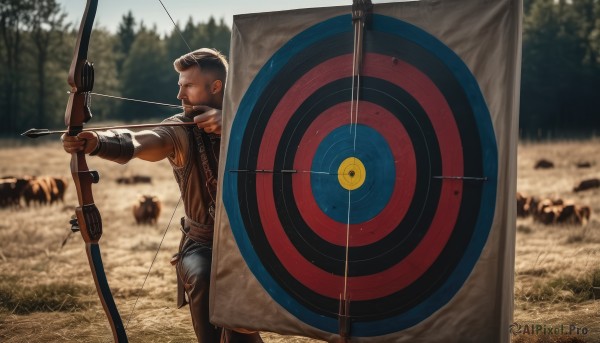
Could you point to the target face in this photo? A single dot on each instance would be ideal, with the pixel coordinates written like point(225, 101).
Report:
point(412, 178)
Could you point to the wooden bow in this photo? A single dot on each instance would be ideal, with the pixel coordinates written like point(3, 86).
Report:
point(88, 220)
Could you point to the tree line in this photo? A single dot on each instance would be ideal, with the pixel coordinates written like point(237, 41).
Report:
point(560, 81)
point(36, 48)
point(560, 86)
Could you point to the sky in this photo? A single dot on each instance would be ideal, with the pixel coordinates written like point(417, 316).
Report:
point(110, 12)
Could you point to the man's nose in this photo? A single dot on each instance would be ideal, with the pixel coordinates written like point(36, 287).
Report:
point(180, 94)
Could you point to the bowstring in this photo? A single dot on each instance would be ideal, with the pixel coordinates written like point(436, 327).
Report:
point(178, 31)
point(152, 264)
point(356, 61)
point(175, 25)
point(135, 100)
point(180, 198)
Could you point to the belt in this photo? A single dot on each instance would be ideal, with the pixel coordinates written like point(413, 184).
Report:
point(193, 231)
point(199, 233)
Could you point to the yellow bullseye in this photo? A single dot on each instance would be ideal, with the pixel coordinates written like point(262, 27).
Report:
point(351, 173)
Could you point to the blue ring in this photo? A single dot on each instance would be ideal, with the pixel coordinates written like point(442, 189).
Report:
point(371, 198)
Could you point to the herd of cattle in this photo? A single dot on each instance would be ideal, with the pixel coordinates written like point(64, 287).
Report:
point(40, 190)
point(556, 210)
point(46, 190)
point(552, 210)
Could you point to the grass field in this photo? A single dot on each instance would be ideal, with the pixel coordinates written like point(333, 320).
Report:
point(47, 293)
point(557, 267)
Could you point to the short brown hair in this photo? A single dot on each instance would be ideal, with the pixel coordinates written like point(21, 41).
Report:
point(206, 59)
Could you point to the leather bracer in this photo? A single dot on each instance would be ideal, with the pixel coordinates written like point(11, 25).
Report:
point(115, 145)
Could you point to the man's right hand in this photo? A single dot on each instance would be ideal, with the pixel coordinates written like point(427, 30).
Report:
point(209, 119)
point(85, 141)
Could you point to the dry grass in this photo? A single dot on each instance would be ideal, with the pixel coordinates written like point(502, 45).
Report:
point(47, 295)
point(557, 267)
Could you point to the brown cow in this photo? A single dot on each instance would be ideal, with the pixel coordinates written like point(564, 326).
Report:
point(547, 210)
point(36, 191)
point(531, 205)
point(567, 214)
point(61, 185)
point(7, 189)
point(20, 185)
point(125, 180)
point(583, 214)
point(134, 179)
point(544, 164)
point(583, 164)
point(574, 214)
point(526, 205)
point(11, 190)
point(147, 209)
point(52, 188)
point(141, 179)
point(587, 184)
point(558, 211)
point(56, 187)
point(548, 213)
point(521, 199)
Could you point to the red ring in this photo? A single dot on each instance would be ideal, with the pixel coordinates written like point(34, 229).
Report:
point(389, 218)
point(422, 257)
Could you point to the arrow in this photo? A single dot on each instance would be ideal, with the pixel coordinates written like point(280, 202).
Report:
point(35, 133)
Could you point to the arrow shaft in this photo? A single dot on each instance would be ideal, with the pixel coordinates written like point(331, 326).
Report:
point(139, 126)
point(34, 133)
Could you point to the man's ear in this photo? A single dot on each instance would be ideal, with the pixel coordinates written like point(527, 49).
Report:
point(216, 87)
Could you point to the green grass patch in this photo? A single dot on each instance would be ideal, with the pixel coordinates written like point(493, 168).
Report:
point(565, 288)
point(18, 299)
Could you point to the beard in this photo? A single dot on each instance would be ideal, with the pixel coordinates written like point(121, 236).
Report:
point(187, 108)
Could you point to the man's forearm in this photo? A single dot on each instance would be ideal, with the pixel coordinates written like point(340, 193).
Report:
point(115, 145)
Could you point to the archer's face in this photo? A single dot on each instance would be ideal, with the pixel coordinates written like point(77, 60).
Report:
point(197, 88)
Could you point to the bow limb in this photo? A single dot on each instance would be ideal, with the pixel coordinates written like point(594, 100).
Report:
point(89, 222)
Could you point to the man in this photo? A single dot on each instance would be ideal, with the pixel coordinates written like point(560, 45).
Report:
point(193, 152)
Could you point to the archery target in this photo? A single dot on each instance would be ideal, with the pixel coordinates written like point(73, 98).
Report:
point(412, 178)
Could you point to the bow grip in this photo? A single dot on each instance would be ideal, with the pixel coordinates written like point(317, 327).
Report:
point(91, 176)
point(89, 223)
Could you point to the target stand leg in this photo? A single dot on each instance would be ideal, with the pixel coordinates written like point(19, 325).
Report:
point(344, 321)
